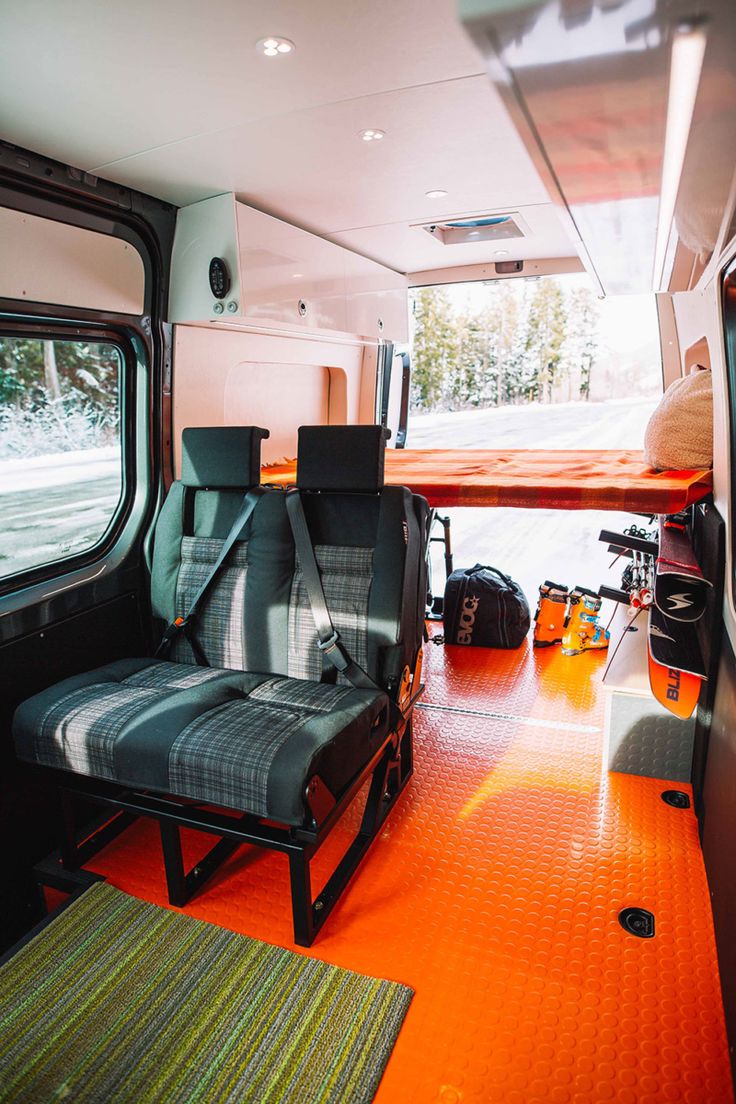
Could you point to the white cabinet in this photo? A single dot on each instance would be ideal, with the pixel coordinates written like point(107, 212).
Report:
point(279, 276)
point(376, 297)
point(288, 274)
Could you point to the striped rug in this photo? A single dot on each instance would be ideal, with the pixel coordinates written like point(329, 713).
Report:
point(119, 1000)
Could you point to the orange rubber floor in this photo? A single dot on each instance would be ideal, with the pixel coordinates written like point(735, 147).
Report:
point(494, 892)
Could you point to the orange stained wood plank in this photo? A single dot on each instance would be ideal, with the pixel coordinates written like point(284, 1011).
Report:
point(494, 892)
point(562, 479)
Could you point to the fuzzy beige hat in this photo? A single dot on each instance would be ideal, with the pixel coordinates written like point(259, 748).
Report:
point(680, 431)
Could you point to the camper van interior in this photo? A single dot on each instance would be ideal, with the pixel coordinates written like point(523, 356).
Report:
point(368, 551)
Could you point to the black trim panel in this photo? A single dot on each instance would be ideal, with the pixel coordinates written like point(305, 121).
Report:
point(50, 632)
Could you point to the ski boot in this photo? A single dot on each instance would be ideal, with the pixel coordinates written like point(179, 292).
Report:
point(582, 631)
point(549, 620)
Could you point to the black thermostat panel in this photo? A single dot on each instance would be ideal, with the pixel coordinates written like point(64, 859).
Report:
point(219, 278)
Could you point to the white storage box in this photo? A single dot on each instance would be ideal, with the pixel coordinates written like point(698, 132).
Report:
point(642, 737)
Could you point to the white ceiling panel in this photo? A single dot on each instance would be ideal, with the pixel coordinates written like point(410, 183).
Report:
point(394, 244)
point(171, 97)
point(90, 81)
point(454, 136)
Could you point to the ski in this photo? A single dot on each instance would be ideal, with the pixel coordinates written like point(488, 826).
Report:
point(674, 644)
point(677, 691)
point(656, 575)
point(680, 588)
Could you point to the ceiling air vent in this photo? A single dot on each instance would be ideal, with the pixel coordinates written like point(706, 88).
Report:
point(483, 228)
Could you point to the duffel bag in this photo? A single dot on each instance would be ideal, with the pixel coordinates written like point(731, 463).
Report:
point(486, 608)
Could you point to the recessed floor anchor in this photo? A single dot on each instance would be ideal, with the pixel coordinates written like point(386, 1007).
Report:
point(637, 921)
point(676, 798)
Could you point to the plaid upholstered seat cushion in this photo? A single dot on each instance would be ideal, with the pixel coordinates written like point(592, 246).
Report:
point(244, 741)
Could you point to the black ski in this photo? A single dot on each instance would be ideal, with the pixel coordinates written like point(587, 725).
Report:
point(674, 644)
point(680, 588)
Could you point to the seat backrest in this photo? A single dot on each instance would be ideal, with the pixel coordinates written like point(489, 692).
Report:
point(369, 541)
point(219, 465)
point(370, 544)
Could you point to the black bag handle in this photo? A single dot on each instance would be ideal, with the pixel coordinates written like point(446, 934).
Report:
point(487, 567)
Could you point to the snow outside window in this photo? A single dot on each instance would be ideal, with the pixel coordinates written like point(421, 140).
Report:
point(532, 363)
point(61, 474)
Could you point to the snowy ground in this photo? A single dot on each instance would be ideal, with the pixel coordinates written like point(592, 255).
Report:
point(616, 424)
point(534, 545)
point(52, 506)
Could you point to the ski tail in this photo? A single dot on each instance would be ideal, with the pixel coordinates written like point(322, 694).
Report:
point(677, 691)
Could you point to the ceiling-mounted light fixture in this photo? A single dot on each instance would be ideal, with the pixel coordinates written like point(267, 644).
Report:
point(372, 135)
point(274, 46)
point(436, 193)
point(686, 63)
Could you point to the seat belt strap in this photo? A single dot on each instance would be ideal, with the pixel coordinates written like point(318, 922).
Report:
point(183, 623)
point(328, 639)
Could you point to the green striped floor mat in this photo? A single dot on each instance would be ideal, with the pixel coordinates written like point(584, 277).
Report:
point(120, 1000)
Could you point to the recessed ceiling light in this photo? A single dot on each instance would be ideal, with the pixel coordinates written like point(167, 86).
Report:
point(372, 135)
point(274, 45)
point(436, 193)
point(501, 253)
point(296, 275)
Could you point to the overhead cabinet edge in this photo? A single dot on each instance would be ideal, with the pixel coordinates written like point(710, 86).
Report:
point(232, 263)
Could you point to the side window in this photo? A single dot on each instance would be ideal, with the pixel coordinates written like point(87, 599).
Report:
point(61, 460)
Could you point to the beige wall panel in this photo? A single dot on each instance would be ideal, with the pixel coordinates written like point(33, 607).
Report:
point(280, 397)
point(49, 262)
point(228, 376)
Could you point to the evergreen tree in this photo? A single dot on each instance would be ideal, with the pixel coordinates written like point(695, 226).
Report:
point(34, 372)
point(57, 395)
point(435, 349)
point(583, 327)
point(476, 362)
point(509, 328)
point(545, 339)
point(532, 341)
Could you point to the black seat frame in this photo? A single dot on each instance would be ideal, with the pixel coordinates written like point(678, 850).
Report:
point(389, 770)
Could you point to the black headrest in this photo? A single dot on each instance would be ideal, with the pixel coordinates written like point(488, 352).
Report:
point(221, 456)
point(341, 458)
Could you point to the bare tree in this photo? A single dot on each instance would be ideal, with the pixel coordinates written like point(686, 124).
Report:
point(50, 371)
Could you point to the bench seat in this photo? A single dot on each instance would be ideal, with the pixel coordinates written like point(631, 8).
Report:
point(244, 705)
point(244, 741)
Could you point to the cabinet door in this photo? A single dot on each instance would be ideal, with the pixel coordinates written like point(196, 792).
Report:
point(377, 303)
point(289, 275)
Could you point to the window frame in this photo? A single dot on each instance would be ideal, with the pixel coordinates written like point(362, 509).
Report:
point(122, 339)
point(38, 185)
